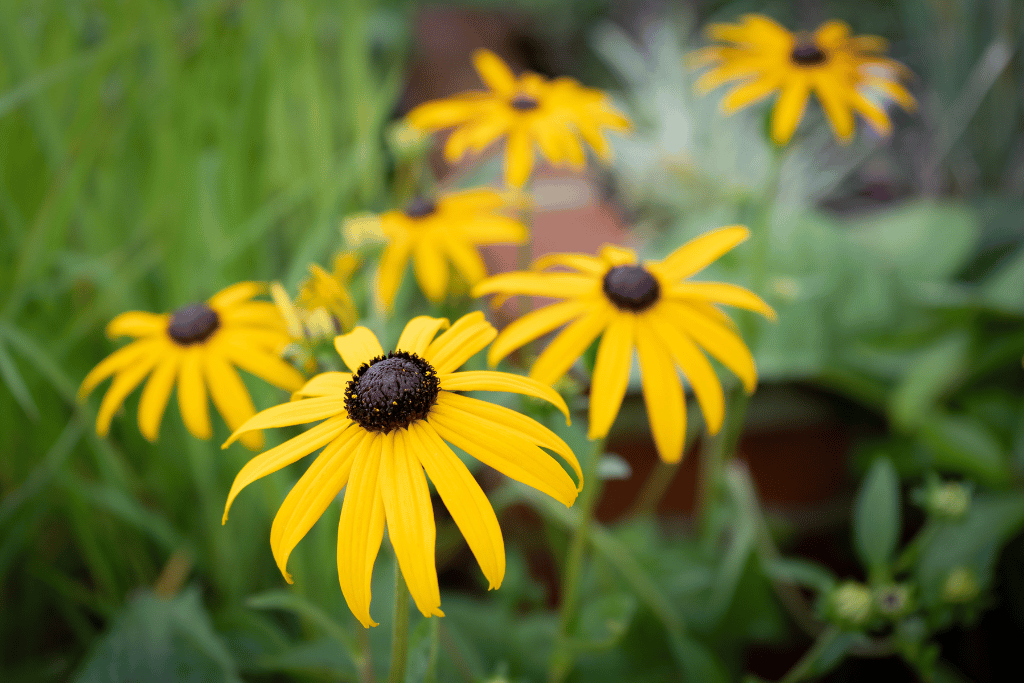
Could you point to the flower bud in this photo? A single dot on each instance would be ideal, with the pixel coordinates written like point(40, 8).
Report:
point(852, 603)
point(893, 600)
point(961, 586)
point(950, 500)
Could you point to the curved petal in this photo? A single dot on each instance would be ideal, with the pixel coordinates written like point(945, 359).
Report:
point(466, 259)
point(419, 332)
point(440, 114)
point(749, 92)
point(431, 269)
point(494, 72)
point(717, 340)
point(410, 519)
point(357, 347)
point(392, 266)
point(837, 109)
point(136, 324)
point(285, 454)
point(721, 293)
point(230, 396)
point(872, 113)
point(473, 201)
point(195, 413)
point(293, 413)
point(254, 313)
point(699, 253)
point(116, 361)
point(585, 263)
point(361, 528)
point(460, 342)
point(518, 157)
point(570, 344)
point(465, 500)
point(325, 384)
point(486, 380)
point(554, 285)
point(313, 492)
point(663, 395)
point(789, 109)
point(611, 374)
point(155, 395)
point(489, 229)
point(236, 294)
point(268, 367)
point(124, 383)
point(533, 325)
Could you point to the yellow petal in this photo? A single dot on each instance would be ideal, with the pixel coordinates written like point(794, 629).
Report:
point(361, 528)
point(410, 519)
point(522, 425)
point(494, 72)
point(124, 383)
point(895, 91)
point(466, 502)
point(872, 113)
point(285, 454)
point(833, 33)
point(155, 395)
point(585, 263)
point(663, 395)
point(837, 109)
point(698, 253)
point(789, 109)
point(116, 361)
point(486, 229)
point(268, 367)
point(488, 126)
point(504, 449)
point(748, 93)
point(236, 294)
point(484, 380)
point(611, 374)
point(313, 492)
point(555, 285)
point(473, 201)
point(136, 324)
point(230, 396)
point(518, 157)
point(419, 332)
point(591, 132)
point(431, 269)
point(195, 413)
point(721, 293)
point(696, 367)
point(533, 325)
point(614, 255)
point(466, 259)
point(325, 384)
point(570, 344)
point(392, 268)
point(253, 313)
point(464, 339)
point(293, 413)
point(440, 114)
point(717, 340)
point(357, 347)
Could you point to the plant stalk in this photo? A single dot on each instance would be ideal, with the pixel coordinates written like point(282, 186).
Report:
point(399, 629)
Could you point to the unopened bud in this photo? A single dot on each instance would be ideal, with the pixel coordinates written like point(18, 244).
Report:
point(851, 602)
point(961, 586)
point(950, 500)
point(893, 600)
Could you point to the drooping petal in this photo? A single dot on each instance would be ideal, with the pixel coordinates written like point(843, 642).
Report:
point(136, 324)
point(555, 285)
point(431, 269)
point(522, 425)
point(518, 157)
point(325, 384)
point(485, 380)
point(699, 253)
point(155, 395)
point(466, 259)
point(361, 528)
point(466, 502)
point(611, 374)
point(235, 294)
point(268, 367)
point(585, 263)
point(312, 493)
point(721, 293)
point(116, 361)
point(534, 325)
point(718, 340)
point(789, 109)
point(614, 255)
point(357, 347)
point(392, 267)
point(837, 109)
point(285, 454)
point(749, 92)
point(464, 339)
point(410, 520)
point(494, 72)
point(663, 395)
point(419, 332)
point(230, 396)
point(570, 344)
point(195, 412)
point(125, 381)
point(293, 413)
point(872, 113)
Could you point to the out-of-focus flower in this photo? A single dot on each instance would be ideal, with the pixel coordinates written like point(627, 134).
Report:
point(385, 424)
point(961, 586)
point(851, 604)
point(893, 601)
point(842, 70)
point(949, 500)
point(650, 307)
point(329, 291)
point(434, 233)
point(526, 111)
point(197, 347)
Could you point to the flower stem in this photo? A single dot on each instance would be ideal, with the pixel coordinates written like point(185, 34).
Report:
point(400, 629)
point(715, 452)
point(805, 666)
point(561, 658)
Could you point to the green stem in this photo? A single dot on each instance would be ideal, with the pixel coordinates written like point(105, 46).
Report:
point(715, 453)
point(804, 667)
point(400, 629)
point(561, 659)
point(653, 489)
point(435, 630)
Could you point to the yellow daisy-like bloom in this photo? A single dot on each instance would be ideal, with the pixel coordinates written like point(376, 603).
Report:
point(197, 347)
point(838, 67)
point(650, 307)
point(527, 110)
point(328, 291)
point(384, 432)
point(436, 233)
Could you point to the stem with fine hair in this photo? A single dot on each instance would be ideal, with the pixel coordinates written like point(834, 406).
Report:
point(399, 629)
point(561, 658)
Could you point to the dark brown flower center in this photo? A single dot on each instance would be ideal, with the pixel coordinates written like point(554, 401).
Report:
point(420, 207)
point(631, 288)
point(807, 53)
point(523, 102)
point(391, 392)
point(193, 324)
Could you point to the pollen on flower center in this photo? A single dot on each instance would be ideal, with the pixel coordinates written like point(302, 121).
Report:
point(391, 392)
point(193, 324)
point(631, 288)
point(523, 102)
point(420, 208)
point(806, 53)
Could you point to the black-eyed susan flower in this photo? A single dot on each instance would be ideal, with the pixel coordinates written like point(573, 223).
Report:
point(384, 431)
point(439, 232)
point(196, 347)
point(847, 73)
point(329, 291)
point(526, 111)
point(650, 307)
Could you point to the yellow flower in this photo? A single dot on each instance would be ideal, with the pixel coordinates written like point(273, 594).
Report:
point(385, 424)
point(434, 233)
point(328, 291)
point(196, 347)
point(841, 70)
point(646, 306)
point(527, 110)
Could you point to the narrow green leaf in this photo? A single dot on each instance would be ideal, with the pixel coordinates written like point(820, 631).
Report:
point(876, 521)
point(16, 384)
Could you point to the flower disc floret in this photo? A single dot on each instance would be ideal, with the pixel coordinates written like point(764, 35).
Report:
point(524, 103)
point(391, 391)
point(631, 288)
point(420, 207)
point(807, 53)
point(193, 324)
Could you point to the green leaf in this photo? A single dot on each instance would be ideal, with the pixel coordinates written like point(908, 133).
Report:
point(605, 620)
point(876, 521)
point(935, 370)
point(1002, 290)
point(800, 572)
point(290, 601)
point(962, 444)
point(16, 384)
